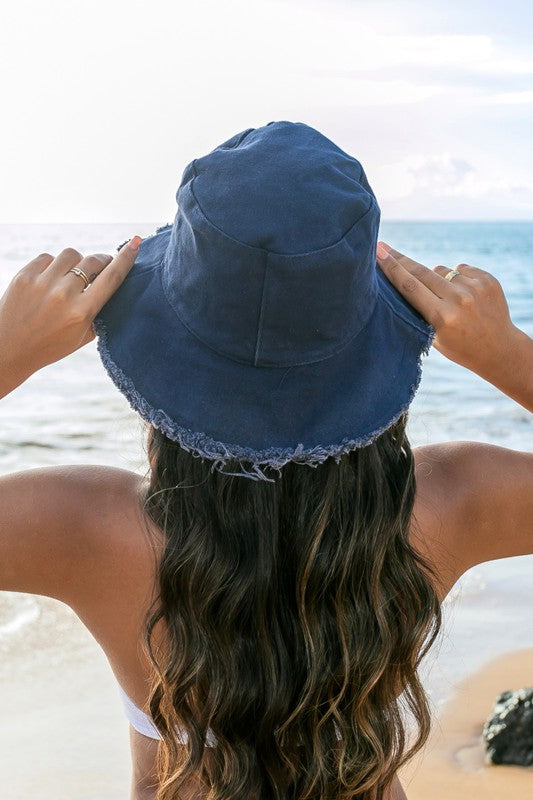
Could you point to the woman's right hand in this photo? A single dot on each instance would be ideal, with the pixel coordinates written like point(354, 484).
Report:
point(47, 312)
point(471, 319)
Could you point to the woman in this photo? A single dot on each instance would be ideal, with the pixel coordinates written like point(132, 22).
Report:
point(265, 595)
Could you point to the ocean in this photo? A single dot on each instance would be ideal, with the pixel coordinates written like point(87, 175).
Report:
point(70, 412)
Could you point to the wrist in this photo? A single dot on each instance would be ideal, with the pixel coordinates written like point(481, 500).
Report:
point(512, 370)
point(11, 376)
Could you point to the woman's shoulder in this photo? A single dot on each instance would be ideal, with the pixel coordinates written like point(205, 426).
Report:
point(474, 503)
point(114, 514)
point(79, 534)
point(63, 527)
point(107, 504)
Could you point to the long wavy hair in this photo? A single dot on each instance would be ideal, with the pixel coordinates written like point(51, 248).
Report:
point(296, 614)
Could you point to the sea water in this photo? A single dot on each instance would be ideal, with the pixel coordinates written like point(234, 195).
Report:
point(71, 413)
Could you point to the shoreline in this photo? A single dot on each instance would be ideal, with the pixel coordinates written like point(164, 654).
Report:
point(452, 765)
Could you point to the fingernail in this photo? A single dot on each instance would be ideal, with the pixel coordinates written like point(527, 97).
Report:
point(134, 243)
point(383, 250)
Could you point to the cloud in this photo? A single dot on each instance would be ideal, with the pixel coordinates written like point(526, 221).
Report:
point(508, 98)
point(150, 100)
point(433, 50)
point(444, 176)
point(506, 66)
point(472, 53)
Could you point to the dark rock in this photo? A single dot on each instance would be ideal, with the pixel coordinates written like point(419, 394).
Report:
point(508, 732)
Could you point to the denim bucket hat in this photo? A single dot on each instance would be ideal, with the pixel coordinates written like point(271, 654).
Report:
point(257, 328)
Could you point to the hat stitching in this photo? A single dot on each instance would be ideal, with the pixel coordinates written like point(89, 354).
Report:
point(240, 139)
point(260, 321)
point(269, 366)
point(372, 203)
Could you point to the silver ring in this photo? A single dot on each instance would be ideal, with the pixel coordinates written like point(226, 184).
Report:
point(451, 275)
point(81, 273)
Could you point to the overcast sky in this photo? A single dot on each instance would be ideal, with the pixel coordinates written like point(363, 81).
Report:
point(106, 101)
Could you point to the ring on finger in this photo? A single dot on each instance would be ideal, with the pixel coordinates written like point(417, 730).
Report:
point(451, 275)
point(82, 275)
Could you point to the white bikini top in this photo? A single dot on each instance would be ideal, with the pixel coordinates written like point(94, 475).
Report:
point(143, 723)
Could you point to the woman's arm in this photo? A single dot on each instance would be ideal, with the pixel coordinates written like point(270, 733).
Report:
point(471, 319)
point(45, 515)
point(486, 490)
point(481, 496)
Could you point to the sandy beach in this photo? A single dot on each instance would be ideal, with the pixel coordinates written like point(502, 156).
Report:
point(452, 763)
point(63, 734)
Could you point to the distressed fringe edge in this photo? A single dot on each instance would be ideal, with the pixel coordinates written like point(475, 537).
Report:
point(203, 446)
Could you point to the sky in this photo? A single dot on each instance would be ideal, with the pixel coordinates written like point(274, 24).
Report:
point(104, 103)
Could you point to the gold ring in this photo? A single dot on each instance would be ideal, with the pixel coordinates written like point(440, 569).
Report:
point(451, 275)
point(81, 273)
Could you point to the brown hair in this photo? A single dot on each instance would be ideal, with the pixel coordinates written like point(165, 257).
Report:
point(296, 615)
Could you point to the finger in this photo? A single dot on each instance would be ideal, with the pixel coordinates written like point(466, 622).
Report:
point(112, 276)
point(443, 271)
point(429, 277)
point(68, 258)
point(37, 265)
point(465, 270)
point(91, 266)
point(410, 286)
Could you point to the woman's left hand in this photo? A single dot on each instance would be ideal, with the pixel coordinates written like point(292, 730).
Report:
point(47, 312)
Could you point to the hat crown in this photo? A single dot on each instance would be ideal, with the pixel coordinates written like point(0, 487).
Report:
point(271, 260)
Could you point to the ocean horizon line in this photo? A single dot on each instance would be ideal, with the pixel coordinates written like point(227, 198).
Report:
point(159, 223)
point(387, 220)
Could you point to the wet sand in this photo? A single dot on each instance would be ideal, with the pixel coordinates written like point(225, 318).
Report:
point(452, 765)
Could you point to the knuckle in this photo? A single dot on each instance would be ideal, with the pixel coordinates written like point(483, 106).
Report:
point(78, 316)
point(485, 284)
point(438, 319)
point(409, 285)
point(446, 317)
point(45, 257)
point(58, 295)
point(22, 278)
point(490, 281)
point(94, 261)
point(70, 252)
point(466, 300)
point(392, 266)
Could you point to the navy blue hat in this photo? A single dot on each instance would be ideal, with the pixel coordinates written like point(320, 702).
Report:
point(257, 327)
